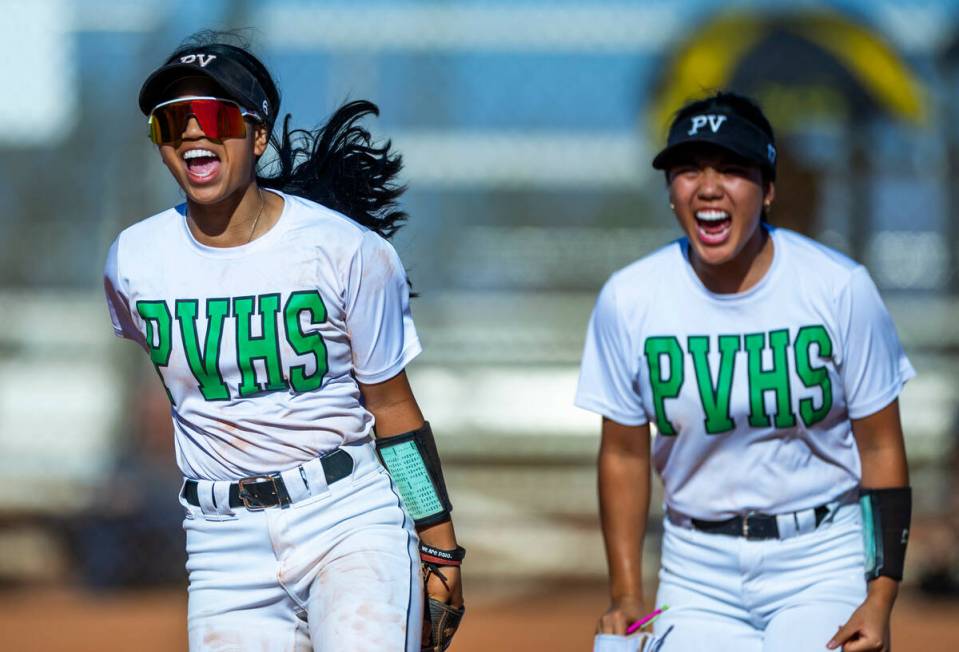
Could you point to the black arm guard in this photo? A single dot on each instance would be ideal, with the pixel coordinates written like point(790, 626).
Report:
point(886, 514)
point(414, 465)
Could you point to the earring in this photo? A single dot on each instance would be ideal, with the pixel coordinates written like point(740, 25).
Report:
point(672, 206)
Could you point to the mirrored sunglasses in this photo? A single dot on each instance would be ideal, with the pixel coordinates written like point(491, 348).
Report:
point(218, 119)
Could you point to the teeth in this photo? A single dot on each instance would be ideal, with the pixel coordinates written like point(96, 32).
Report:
point(197, 153)
point(712, 216)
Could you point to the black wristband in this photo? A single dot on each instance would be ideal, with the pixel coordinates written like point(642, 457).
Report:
point(886, 514)
point(439, 556)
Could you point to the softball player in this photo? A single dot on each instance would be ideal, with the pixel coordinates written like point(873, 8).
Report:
point(280, 329)
point(771, 370)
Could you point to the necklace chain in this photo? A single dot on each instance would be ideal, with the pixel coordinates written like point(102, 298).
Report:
point(256, 220)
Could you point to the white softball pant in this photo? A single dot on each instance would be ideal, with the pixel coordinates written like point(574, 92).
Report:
point(728, 594)
point(335, 571)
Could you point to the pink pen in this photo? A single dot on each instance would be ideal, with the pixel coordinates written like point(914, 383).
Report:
point(645, 620)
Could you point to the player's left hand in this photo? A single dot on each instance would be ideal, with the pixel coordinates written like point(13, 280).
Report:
point(443, 607)
point(449, 590)
point(867, 629)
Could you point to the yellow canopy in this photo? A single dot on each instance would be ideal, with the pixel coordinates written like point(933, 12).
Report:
point(712, 55)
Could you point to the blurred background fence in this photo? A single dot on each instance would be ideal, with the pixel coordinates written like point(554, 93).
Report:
point(527, 128)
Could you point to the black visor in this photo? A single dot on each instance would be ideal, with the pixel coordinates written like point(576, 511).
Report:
point(217, 62)
point(724, 130)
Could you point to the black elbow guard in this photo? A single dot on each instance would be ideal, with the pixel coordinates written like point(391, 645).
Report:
point(886, 514)
point(414, 464)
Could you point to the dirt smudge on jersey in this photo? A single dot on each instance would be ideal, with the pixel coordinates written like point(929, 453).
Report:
point(363, 597)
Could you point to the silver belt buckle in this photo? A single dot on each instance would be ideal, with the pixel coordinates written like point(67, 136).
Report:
point(746, 524)
point(245, 498)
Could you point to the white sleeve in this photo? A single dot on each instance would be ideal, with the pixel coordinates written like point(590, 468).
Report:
point(874, 367)
point(382, 335)
point(609, 376)
point(117, 302)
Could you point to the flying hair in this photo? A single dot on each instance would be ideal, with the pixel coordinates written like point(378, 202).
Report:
point(340, 167)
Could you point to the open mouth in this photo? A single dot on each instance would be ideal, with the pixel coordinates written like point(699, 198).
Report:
point(201, 164)
point(713, 226)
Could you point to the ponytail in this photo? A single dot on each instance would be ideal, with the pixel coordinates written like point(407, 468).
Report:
point(341, 168)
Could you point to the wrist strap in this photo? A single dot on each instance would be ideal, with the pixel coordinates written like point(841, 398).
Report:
point(441, 557)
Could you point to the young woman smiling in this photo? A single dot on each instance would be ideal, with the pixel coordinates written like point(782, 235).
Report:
point(771, 370)
point(277, 316)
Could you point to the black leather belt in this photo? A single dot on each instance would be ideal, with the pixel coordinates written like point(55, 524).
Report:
point(751, 526)
point(260, 492)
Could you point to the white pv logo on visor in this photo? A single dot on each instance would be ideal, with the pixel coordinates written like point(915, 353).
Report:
point(203, 59)
point(700, 121)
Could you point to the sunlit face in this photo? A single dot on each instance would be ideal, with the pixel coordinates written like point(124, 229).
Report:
point(718, 200)
point(210, 171)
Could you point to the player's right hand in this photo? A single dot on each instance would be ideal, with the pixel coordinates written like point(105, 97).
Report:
point(622, 613)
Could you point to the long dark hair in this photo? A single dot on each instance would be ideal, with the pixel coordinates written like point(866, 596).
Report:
point(337, 165)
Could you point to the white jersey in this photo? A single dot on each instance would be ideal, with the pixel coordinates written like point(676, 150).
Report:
point(751, 393)
point(260, 346)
